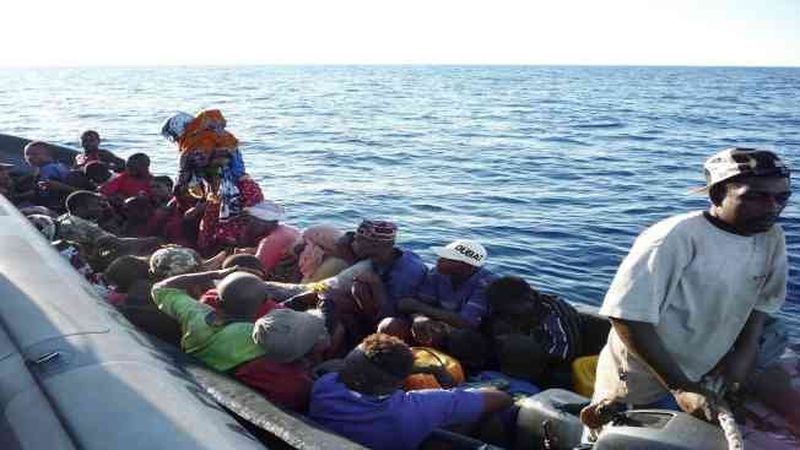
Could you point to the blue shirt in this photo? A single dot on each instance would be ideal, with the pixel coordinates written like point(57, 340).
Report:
point(399, 421)
point(402, 279)
point(53, 170)
point(469, 300)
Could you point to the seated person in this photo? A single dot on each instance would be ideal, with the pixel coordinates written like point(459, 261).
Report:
point(6, 182)
point(365, 403)
point(244, 263)
point(90, 141)
point(453, 294)
point(221, 338)
point(133, 181)
point(84, 208)
point(318, 258)
point(137, 210)
point(161, 188)
point(294, 343)
point(50, 186)
point(552, 324)
point(178, 220)
point(265, 236)
point(97, 173)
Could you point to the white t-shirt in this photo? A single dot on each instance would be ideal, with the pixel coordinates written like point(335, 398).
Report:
point(698, 285)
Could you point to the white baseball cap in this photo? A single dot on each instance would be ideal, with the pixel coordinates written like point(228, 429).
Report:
point(469, 252)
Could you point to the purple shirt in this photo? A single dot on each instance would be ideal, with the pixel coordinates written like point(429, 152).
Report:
point(402, 279)
point(469, 300)
point(397, 421)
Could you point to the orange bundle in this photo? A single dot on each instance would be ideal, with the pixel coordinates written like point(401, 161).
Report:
point(206, 134)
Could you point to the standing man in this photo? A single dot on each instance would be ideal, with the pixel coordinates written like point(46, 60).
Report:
point(690, 299)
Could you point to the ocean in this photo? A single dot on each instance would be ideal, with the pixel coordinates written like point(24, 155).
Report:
point(554, 169)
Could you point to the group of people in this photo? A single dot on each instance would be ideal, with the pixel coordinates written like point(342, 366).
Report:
point(339, 324)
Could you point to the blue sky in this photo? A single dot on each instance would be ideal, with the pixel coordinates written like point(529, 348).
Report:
point(160, 32)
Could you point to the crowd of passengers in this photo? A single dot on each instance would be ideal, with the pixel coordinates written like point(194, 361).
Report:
point(345, 326)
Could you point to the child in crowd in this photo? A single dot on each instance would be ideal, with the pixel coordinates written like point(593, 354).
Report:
point(138, 211)
point(161, 190)
point(50, 185)
point(90, 141)
point(135, 180)
point(365, 403)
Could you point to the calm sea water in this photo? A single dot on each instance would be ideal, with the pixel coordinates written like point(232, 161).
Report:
point(554, 169)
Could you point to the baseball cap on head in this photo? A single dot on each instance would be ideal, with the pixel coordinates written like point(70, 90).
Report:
point(469, 252)
point(739, 161)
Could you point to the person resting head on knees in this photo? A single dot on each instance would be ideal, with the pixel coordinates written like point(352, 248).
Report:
point(129, 276)
point(245, 263)
point(87, 205)
point(518, 309)
point(365, 403)
point(453, 294)
point(222, 339)
point(294, 342)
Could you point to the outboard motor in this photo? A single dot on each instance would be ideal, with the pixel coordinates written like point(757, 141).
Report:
point(550, 420)
point(653, 429)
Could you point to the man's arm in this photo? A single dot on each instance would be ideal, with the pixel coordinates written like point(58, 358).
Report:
point(413, 306)
point(642, 340)
point(186, 281)
point(738, 363)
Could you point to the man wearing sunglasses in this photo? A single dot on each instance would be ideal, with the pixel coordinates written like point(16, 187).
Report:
point(689, 303)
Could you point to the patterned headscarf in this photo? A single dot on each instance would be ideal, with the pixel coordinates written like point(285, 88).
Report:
point(175, 126)
point(377, 230)
point(320, 240)
point(170, 261)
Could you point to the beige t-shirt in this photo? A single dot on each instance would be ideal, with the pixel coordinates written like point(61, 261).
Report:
point(698, 285)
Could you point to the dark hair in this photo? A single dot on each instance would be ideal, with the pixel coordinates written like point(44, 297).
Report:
point(469, 347)
point(79, 199)
point(138, 157)
point(97, 171)
point(243, 260)
point(163, 179)
point(507, 289)
point(389, 353)
point(126, 270)
point(239, 296)
point(88, 132)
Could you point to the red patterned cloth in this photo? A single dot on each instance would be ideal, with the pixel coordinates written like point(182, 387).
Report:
point(213, 233)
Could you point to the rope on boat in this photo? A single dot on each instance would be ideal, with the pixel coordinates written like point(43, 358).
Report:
point(729, 426)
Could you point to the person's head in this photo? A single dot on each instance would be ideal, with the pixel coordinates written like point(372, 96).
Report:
point(460, 259)
point(469, 347)
point(6, 182)
point(45, 224)
point(521, 356)
point(317, 242)
point(262, 219)
point(240, 296)
point(126, 270)
point(90, 141)
point(748, 188)
point(37, 153)
point(512, 297)
point(138, 165)
point(97, 172)
point(374, 239)
point(175, 126)
point(378, 365)
point(137, 209)
point(87, 205)
point(161, 189)
point(171, 261)
point(288, 335)
point(246, 263)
